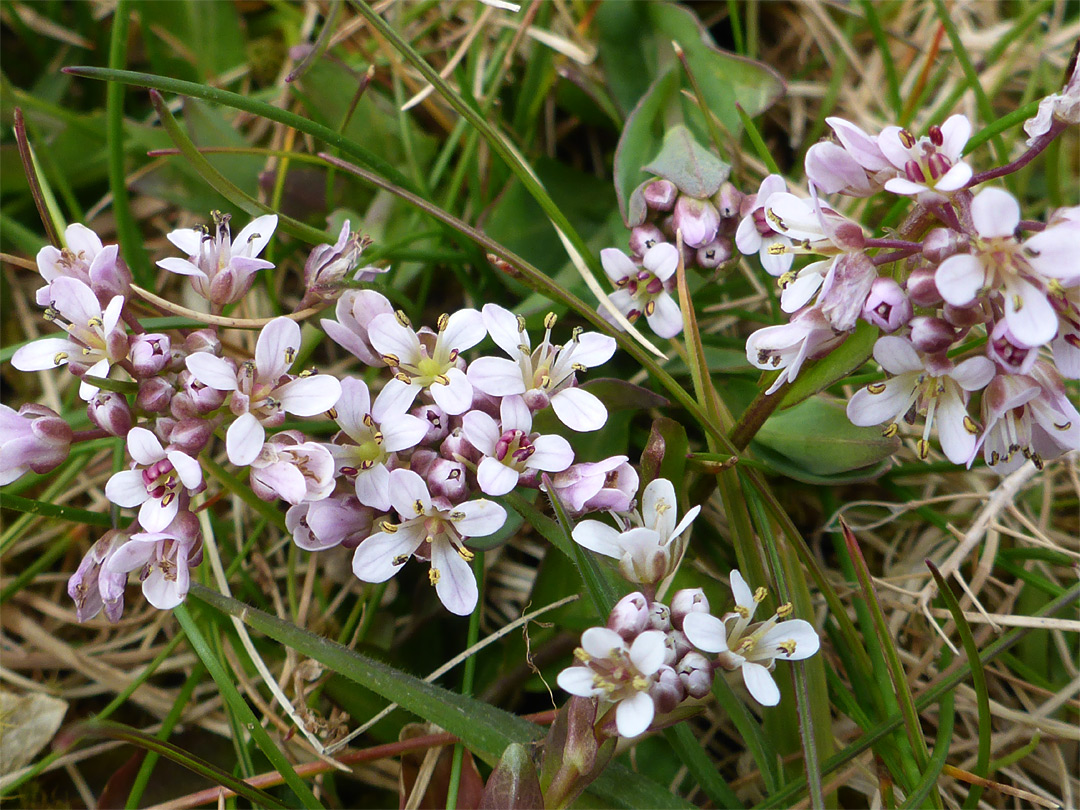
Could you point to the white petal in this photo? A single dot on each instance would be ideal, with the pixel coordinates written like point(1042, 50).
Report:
point(633, 715)
point(706, 632)
point(398, 396)
point(515, 415)
point(1034, 321)
point(182, 267)
point(389, 337)
point(131, 555)
point(955, 178)
point(995, 212)
point(647, 651)
point(798, 220)
point(75, 300)
point(688, 518)
point(578, 681)
point(896, 355)
point(481, 431)
point(464, 329)
point(211, 371)
point(862, 146)
point(375, 558)
point(601, 642)
point(658, 503)
point(186, 467)
point(747, 237)
point(188, 240)
point(798, 293)
point(617, 264)
point(956, 442)
point(552, 454)
point(408, 492)
point(666, 319)
point(456, 583)
point(255, 235)
point(579, 410)
point(775, 264)
point(866, 409)
point(598, 537)
point(892, 148)
point(373, 487)
point(955, 133)
point(126, 488)
point(402, 432)
point(244, 440)
point(662, 260)
point(903, 186)
point(42, 354)
point(744, 597)
point(81, 239)
point(496, 376)
point(502, 325)
point(959, 279)
point(284, 479)
point(482, 517)
point(144, 447)
point(495, 478)
point(277, 345)
point(1052, 253)
point(974, 374)
point(593, 349)
point(308, 396)
point(111, 316)
point(760, 684)
point(797, 631)
point(87, 389)
point(455, 398)
point(155, 515)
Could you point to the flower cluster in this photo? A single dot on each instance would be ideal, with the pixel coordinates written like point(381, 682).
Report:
point(971, 299)
point(652, 656)
point(415, 462)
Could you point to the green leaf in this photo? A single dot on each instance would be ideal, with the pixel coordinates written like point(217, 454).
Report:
point(32, 507)
point(817, 441)
point(640, 142)
point(689, 165)
point(836, 365)
point(621, 395)
point(665, 452)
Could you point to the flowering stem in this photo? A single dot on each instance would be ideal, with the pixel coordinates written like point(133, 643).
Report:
point(900, 244)
point(895, 256)
point(753, 418)
point(29, 168)
point(89, 435)
point(1043, 141)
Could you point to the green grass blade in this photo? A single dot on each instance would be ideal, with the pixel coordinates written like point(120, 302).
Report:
point(757, 141)
point(946, 721)
point(42, 509)
point(688, 747)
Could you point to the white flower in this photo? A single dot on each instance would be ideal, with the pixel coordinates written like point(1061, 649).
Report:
point(1022, 273)
point(650, 551)
point(930, 167)
point(756, 233)
point(434, 529)
point(787, 346)
point(511, 450)
point(546, 375)
point(85, 259)
point(427, 360)
point(1063, 106)
point(262, 390)
point(645, 290)
point(96, 339)
point(292, 469)
point(752, 648)
point(221, 270)
point(616, 673)
point(596, 486)
point(157, 482)
point(375, 433)
point(163, 557)
point(930, 385)
point(855, 166)
point(355, 310)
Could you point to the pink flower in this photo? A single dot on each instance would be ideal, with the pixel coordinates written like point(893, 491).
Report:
point(221, 270)
point(546, 375)
point(930, 385)
point(34, 438)
point(84, 259)
point(608, 485)
point(855, 166)
point(263, 392)
point(644, 290)
point(756, 233)
point(788, 346)
point(334, 521)
point(163, 558)
point(157, 482)
point(930, 167)
point(430, 528)
point(292, 469)
point(93, 586)
point(355, 311)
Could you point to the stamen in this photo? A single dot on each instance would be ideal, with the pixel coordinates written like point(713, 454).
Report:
point(923, 449)
point(890, 430)
point(290, 354)
point(391, 359)
point(787, 647)
point(418, 506)
point(59, 358)
point(434, 576)
point(388, 527)
point(876, 388)
point(520, 323)
point(760, 594)
point(744, 613)
point(970, 426)
point(443, 321)
point(785, 610)
point(550, 319)
point(400, 559)
point(403, 319)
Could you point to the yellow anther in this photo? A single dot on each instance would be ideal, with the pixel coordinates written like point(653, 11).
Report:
point(367, 465)
point(970, 426)
point(307, 372)
point(403, 319)
point(520, 324)
point(549, 320)
point(787, 647)
point(391, 359)
point(1018, 303)
point(523, 348)
point(368, 421)
point(95, 322)
point(581, 367)
point(922, 447)
point(582, 656)
point(639, 683)
point(442, 379)
point(86, 351)
point(760, 594)
point(744, 612)
point(650, 308)
point(576, 333)
point(777, 249)
point(785, 610)
point(403, 377)
point(169, 498)
point(388, 527)
point(890, 430)
point(465, 554)
point(290, 354)
point(1066, 426)
point(906, 138)
point(433, 576)
point(876, 388)
point(418, 506)
point(787, 278)
point(457, 516)
point(59, 358)
point(443, 321)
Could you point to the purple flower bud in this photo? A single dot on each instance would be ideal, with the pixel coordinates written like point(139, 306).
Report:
point(328, 265)
point(680, 643)
point(191, 435)
point(34, 438)
point(931, 335)
point(696, 675)
point(939, 244)
point(922, 289)
point(697, 219)
point(660, 195)
point(91, 587)
point(110, 412)
point(887, 307)
point(155, 395)
point(456, 445)
point(421, 460)
point(150, 354)
point(686, 601)
point(644, 237)
point(203, 398)
point(714, 254)
point(203, 340)
point(846, 289)
point(667, 691)
point(1009, 353)
point(659, 617)
point(728, 200)
point(446, 479)
point(438, 421)
point(630, 616)
point(969, 316)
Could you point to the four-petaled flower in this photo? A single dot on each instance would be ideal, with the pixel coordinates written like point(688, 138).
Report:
point(931, 166)
point(645, 290)
point(262, 390)
point(431, 529)
point(163, 557)
point(752, 648)
point(87, 260)
point(756, 232)
point(618, 673)
point(156, 484)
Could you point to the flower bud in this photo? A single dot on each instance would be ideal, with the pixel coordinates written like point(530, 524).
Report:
point(328, 265)
point(150, 354)
point(714, 254)
point(191, 435)
point(203, 340)
point(630, 616)
point(696, 675)
point(203, 398)
point(456, 445)
point(421, 460)
point(969, 316)
point(667, 691)
point(92, 587)
point(514, 784)
point(155, 395)
point(680, 643)
point(728, 200)
point(887, 307)
point(846, 289)
point(659, 617)
point(110, 412)
point(697, 219)
point(446, 479)
point(922, 289)
point(688, 600)
point(660, 195)
point(438, 421)
point(939, 244)
point(644, 237)
point(1009, 353)
point(34, 438)
point(931, 335)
